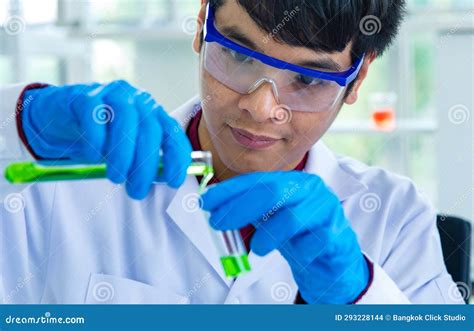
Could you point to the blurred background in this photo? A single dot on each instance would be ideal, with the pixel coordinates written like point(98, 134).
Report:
point(413, 117)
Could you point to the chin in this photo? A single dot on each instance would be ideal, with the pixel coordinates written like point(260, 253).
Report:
point(246, 161)
point(244, 167)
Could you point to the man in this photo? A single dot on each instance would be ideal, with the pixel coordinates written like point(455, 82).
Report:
point(320, 229)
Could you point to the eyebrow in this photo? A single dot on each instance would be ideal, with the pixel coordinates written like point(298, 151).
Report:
point(326, 63)
point(234, 33)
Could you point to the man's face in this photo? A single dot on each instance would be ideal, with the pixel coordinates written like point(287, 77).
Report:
point(242, 128)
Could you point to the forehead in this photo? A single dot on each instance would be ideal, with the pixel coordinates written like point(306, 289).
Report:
point(235, 22)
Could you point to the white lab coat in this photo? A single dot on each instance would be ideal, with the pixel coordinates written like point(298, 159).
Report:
point(87, 242)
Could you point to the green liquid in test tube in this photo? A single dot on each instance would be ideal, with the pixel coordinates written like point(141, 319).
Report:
point(234, 258)
point(43, 171)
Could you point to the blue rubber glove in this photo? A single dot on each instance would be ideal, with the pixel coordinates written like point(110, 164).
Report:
point(114, 123)
point(297, 214)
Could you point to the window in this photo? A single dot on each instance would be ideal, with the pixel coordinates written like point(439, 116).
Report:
point(128, 11)
point(4, 11)
point(5, 70)
point(142, 12)
point(45, 67)
point(40, 12)
point(112, 59)
point(440, 4)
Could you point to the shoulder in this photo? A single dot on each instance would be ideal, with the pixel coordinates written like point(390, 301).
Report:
point(356, 183)
point(390, 212)
point(396, 198)
point(386, 184)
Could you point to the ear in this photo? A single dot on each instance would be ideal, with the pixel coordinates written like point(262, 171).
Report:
point(364, 70)
point(200, 22)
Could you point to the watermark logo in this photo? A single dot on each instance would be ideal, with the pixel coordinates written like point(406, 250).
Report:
point(281, 292)
point(14, 25)
point(191, 24)
point(288, 193)
point(459, 114)
point(14, 202)
point(370, 25)
point(196, 109)
point(191, 202)
point(281, 114)
point(459, 291)
point(370, 202)
point(103, 114)
point(103, 292)
point(289, 15)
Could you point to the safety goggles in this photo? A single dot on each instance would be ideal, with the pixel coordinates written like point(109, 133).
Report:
point(295, 88)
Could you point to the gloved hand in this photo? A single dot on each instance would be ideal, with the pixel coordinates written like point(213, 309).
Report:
point(297, 214)
point(114, 123)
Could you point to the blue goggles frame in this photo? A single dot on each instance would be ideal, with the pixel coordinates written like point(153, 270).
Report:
point(344, 78)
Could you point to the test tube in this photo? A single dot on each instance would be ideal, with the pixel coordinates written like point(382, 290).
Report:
point(43, 171)
point(232, 252)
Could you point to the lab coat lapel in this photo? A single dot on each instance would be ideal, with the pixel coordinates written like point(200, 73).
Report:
point(185, 212)
point(261, 266)
point(323, 162)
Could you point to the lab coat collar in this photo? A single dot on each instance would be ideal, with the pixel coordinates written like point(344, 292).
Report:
point(321, 161)
point(185, 212)
point(324, 163)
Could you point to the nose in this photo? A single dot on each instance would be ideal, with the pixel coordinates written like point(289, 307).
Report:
point(260, 102)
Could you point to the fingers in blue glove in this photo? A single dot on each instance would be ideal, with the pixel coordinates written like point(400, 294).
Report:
point(282, 205)
point(276, 182)
point(248, 198)
point(306, 246)
point(146, 161)
point(122, 132)
point(176, 150)
point(91, 133)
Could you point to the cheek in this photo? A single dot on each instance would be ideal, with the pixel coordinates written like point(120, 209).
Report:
point(217, 99)
point(214, 92)
point(308, 128)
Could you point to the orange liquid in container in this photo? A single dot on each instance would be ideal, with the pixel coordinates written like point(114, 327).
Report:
point(384, 119)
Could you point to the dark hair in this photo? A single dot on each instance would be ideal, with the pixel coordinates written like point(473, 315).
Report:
point(328, 25)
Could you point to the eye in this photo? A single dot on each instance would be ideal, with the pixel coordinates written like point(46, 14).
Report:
point(238, 57)
point(309, 81)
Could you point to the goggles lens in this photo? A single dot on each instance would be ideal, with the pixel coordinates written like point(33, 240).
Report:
point(244, 74)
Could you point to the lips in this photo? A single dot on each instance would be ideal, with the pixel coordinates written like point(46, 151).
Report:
point(252, 141)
